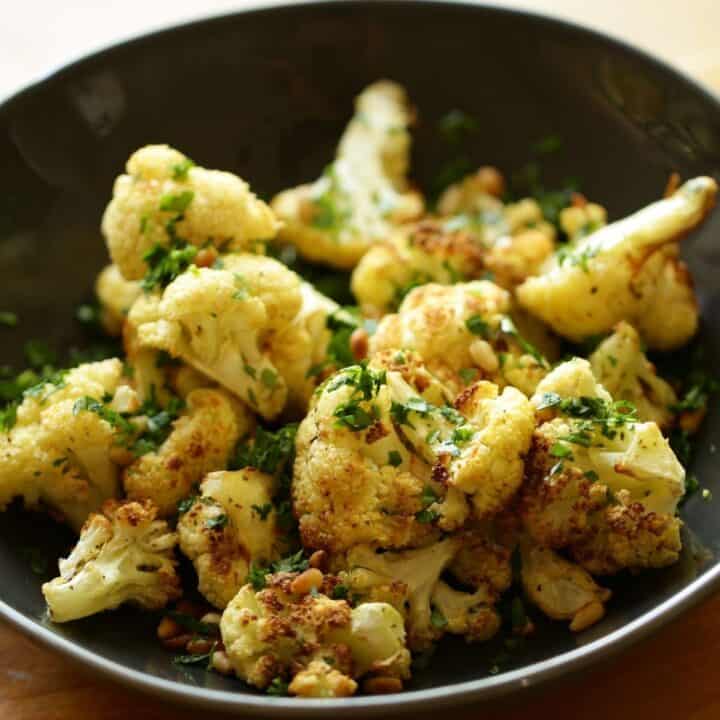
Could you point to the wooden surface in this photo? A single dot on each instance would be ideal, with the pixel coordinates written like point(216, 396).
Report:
point(672, 675)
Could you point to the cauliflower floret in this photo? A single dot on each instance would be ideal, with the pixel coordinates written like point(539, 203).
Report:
point(483, 562)
point(116, 296)
point(463, 333)
point(428, 251)
point(596, 477)
point(560, 588)
point(468, 614)
point(479, 238)
point(364, 192)
point(621, 366)
point(122, 555)
point(59, 456)
point(582, 219)
point(300, 348)
point(356, 480)
point(201, 441)
point(230, 525)
point(165, 198)
point(628, 270)
point(406, 579)
point(283, 632)
point(219, 322)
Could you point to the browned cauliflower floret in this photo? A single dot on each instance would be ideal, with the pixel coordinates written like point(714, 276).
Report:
point(292, 629)
point(165, 199)
point(621, 367)
point(561, 589)
point(123, 555)
point(599, 482)
point(200, 442)
point(364, 193)
point(463, 333)
point(58, 451)
point(382, 457)
point(628, 270)
point(228, 526)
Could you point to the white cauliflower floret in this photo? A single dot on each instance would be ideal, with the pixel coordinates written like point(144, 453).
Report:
point(628, 270)
point(621, 366)
point(299, 351)
point(598, 480)
point(230, 525)
point(201, 441)
point(219, 321)
point(582, 219)
point(321, 644)
point(122, 555)
point(406, 579)
point(356, 480)
point(58, 456)
point(116, 296)
point(364, 192)
point(463, 333)
point(165, 198)
point(560, 588)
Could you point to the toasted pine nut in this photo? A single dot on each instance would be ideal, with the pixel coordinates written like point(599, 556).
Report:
point(199, 646)
point(578, 200)
point(359, 343)
point(206, 257)
point(121, 456)
point(382, 685)
point(211, 618)
point(168, 628)
point(318, 560)
point(483, 355)
point(306, 581)
point(221, 662)
point(587, 616)
point(490, 179)
point(690, 420)
point(178, 642)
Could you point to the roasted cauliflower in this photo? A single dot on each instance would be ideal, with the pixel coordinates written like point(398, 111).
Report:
point(628, 270)
point(200, 441)
point(622, 368)
point(560, 588)
point(220, 321)
point(322, 645)
point(165, 208)
point(599, 482)
point(384, 459)
point(116, 296)
point(463, 333)
point(227, 527)
point(364, 193)
point(124, 554)
point(59, 454)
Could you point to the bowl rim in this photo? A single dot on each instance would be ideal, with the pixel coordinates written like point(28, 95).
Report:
point(472, 690)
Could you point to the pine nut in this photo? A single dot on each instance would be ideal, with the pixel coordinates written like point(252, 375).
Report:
point(382, 685)
point(168, 628)
point(318, 560)
point(306, 581)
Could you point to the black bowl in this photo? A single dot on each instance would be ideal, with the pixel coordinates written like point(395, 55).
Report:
point(265, 94)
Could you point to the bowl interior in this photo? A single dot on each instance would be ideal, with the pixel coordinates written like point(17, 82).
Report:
point(266, 94)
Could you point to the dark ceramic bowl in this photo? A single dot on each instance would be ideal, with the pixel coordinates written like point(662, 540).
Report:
point(265, 94)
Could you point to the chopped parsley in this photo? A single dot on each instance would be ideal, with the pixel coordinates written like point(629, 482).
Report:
point(269, 378)
point(332, 207)
point(394, 458)
point(437, 619)
point(166, 263)
point(193, 625)
point(257, 576)
point(262, 511)
point(559, 450)
point(176, 202)
point(218, 522)
point(468, 375)
point(8, 319)
point(425, 517)
point(477, 326)
point(340, 592)
point(508, 327)
point(180, 170)
point(278, 687)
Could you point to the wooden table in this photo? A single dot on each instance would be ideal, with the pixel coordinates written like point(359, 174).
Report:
point(672, 675)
